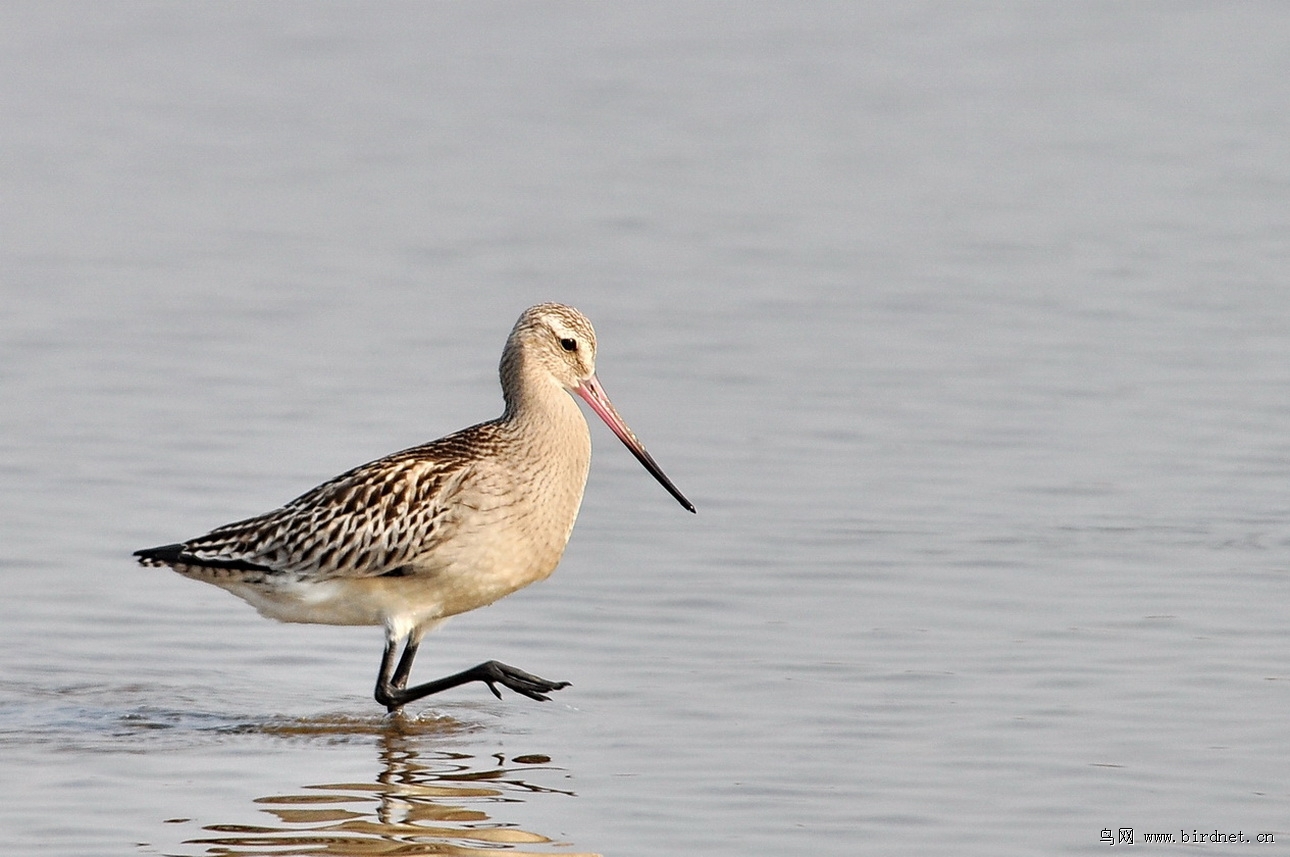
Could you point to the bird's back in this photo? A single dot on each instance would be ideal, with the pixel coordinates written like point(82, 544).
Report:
point(433, 530)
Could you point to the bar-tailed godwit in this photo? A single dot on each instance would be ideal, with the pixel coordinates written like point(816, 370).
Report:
point(424, 534)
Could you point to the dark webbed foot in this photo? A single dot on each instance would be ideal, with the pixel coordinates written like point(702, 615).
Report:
point(493, 673)
point(392, 693)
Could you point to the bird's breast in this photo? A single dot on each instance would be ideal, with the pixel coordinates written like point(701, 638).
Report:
point(508, 527)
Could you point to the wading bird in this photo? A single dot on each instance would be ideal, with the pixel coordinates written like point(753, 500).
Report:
point(436, 530)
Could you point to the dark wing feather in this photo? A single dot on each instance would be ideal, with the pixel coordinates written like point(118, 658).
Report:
point(369, 521)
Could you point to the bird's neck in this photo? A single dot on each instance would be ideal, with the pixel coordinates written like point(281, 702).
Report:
point(539, 410)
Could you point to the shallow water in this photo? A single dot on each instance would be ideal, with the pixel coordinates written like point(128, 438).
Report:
point(965, 329)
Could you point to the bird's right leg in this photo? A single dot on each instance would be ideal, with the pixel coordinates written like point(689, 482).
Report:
point(393, 693)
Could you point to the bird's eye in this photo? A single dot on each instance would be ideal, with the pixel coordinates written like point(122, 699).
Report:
point(569, 344)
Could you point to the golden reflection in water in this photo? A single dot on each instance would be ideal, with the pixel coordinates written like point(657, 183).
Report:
point(422, 802)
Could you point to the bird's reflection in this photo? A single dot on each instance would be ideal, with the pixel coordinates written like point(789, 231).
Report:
point(423, 800)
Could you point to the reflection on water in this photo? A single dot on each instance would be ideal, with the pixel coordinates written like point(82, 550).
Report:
point(420, 802)
point(376, 784)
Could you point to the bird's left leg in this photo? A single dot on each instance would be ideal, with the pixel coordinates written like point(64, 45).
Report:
point(393, 679)
point(386, 692)
point(404, 669)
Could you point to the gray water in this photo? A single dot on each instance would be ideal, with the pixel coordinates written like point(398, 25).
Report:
point(966, 327)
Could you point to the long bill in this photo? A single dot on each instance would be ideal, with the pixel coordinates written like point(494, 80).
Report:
point(593, 394)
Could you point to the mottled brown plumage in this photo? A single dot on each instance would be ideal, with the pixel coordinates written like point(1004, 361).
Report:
point(415, 537)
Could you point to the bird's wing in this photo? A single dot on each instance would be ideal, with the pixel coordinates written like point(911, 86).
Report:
point(367, 522)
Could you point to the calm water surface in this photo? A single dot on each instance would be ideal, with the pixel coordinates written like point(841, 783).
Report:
point(967, 329)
